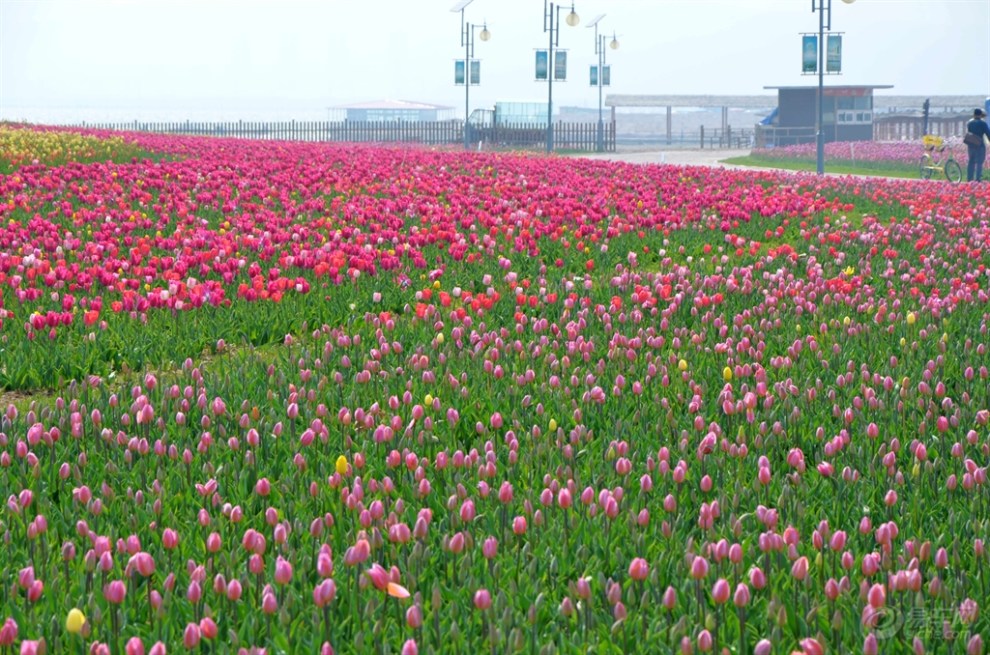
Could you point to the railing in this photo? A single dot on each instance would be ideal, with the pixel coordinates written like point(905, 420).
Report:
point(912, 128)
point(726, 139)
point(429, 133)
point(771, 136)
point(567, 136)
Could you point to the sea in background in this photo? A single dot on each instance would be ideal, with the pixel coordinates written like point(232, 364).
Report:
point(266, 110)
point(80, 115)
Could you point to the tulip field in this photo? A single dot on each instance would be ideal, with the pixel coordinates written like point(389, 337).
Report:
point(272, 397)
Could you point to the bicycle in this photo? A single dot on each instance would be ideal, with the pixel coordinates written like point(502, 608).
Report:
point(931, 163)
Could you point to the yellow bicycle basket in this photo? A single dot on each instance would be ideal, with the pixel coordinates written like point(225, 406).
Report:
point(932, 141)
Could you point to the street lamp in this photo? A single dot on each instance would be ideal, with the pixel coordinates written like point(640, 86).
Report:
point(600, 51)
point(824, 9)
point(467, 42)
point(551, 24)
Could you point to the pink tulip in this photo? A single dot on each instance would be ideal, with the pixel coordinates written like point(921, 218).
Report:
point(143, 563)
point(191, 636)
point(263, 487)
point(639, 569)
point(208, 628)
point(669, 600)
point(414, 616)
point(33, 647)
point(378, 576)
point(757, 578)
point(519, 525)
point(720, 591)
point(877, 596)
point(699, 568)
point(741, 597)
point(234, 590)
point(482, 599)
point(832, 589)
point(8, 632)
point(170, 539)
point(968, 611)
point(283, 571)
point(114, 592)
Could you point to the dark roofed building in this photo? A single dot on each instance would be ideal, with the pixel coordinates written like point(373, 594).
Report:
point(847, 114)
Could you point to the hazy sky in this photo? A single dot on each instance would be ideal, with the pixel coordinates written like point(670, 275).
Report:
point(297, 57)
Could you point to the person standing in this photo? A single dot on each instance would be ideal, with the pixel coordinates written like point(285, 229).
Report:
point(976, 131)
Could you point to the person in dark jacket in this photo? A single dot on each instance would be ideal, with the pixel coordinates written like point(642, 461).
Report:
point(977, 153)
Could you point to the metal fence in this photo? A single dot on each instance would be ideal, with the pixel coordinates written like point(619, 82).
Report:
point(567, 136)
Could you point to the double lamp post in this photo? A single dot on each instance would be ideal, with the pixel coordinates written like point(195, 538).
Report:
point(600, 51)
point(551, 26)
point(824, 9)
point(467, 42)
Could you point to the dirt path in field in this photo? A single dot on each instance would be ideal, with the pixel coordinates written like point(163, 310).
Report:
point(713, 158)
point(678, 157)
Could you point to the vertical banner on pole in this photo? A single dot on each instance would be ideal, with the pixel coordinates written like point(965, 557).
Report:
point(475, 72)
point(542, 62)
point(809, 53)
point(560, 65)
point(606, 75)
point(833, 54)
point(459, 72)
point(594, 76)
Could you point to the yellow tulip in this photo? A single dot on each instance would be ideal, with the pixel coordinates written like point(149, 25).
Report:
point(552, 425)
point(727, 374)
point(911, 318)
point(341, 465)
point(428, 400)
point(75, 621)
point(682, 366)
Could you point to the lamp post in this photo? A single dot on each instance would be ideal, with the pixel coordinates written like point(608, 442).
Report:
point(551, 24)
point(467, 42)
point(824, 9)
point(600, 51)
